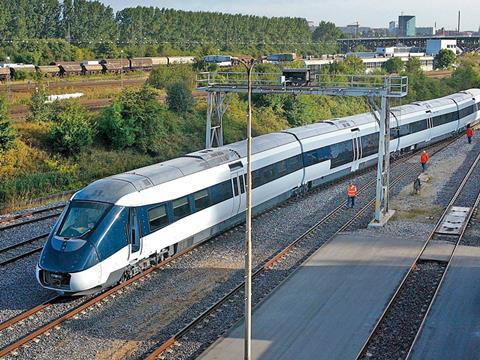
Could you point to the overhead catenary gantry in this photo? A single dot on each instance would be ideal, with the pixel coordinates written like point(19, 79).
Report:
point(374, 88)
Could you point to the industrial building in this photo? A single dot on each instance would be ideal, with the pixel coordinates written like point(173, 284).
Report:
point(374, 60)
point(406, 25)
point(435, 45)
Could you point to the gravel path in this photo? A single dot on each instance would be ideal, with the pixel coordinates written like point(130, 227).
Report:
point(130, 323)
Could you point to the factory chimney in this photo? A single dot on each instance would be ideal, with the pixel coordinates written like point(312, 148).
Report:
point(458, 25)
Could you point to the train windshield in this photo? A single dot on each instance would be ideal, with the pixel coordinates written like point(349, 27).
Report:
point(82, 217)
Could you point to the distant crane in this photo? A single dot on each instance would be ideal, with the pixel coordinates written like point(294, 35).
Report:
point(357, 26)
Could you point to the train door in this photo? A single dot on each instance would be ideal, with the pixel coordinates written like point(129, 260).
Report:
point(134, 236)
point(428, 137)
point(357, 149)
point(238, 187)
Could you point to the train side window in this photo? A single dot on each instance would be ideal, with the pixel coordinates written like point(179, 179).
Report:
point(235, 186)
point(202, 200)
point(256, 178)
point(281, 169)
point(467, 111)
point(369, 144)
point(418, 126)
point(181, 208)
point(394, 133)
point(294, 163)
point(221, 192)
point(342, 153)
point(267, 174)
point(242, 184)
point(157, 217)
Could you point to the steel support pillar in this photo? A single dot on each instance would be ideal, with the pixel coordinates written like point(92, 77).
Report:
point(216, 108)
point(382, 211)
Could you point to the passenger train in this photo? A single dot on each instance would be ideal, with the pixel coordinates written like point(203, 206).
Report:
point(120, 225)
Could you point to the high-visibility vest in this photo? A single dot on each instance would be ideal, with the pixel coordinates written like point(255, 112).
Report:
point(424, 158)
point(351, 191)
point(469, 132)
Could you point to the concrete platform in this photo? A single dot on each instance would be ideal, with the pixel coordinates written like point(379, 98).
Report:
point(328, 307)
point(452, 329)
point(438, 250)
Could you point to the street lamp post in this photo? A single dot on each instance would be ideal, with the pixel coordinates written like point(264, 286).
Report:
point(248, 223)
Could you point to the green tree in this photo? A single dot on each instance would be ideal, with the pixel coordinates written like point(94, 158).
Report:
point(413, 65)
point(326, 31)
point(38, 108)
point(73, 132)
point(7, 133)
point(394, 65)
point(179, 98)
point(136, 120)
point(444, 59)
point(162, 76)
point(465, 76)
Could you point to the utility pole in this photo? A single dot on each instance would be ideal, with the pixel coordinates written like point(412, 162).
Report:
point(249, 65)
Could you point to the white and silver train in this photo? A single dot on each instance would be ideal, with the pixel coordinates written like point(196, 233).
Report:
point(117, 226)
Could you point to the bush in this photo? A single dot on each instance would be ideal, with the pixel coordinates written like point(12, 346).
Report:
point(135, 120)
point(394, 65)
point(73, 132)
point(162, 76)
point(444, 59)
point(7, 133)
point(179, 98)
point(38, 109)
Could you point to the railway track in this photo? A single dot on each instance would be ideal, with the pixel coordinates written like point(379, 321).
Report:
point(30, 217)
point(87, 303)
point(420, 286)
point(21, 250)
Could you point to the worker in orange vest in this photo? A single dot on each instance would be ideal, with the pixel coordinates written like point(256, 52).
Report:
point(424, 159)
point(469, 133)
point(351, 193)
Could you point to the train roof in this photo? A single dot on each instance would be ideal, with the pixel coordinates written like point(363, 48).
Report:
point(474, 92)
point(262, 143)
point(328, 126)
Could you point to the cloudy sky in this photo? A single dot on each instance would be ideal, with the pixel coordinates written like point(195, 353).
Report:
point(374, 13)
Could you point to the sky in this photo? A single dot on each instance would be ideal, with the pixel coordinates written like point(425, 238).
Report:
point(373, 13)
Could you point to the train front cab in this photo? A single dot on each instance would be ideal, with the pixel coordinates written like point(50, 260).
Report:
point(86, 250)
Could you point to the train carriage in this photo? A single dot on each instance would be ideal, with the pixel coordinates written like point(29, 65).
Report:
point(4, 73)
point(48, 70)
point(117, 226)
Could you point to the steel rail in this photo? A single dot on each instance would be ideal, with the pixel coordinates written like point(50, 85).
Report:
point(78, 309)
point(430, 305)
point(19, 245)
point(27, 215)
point(416, 260)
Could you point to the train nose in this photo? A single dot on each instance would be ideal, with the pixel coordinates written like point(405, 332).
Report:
point(69, 265)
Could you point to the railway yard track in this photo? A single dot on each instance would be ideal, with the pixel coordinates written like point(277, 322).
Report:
point(269, 272)
point(400, 325)
point(30, 217)
point(22, 249)
point(19, 250)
